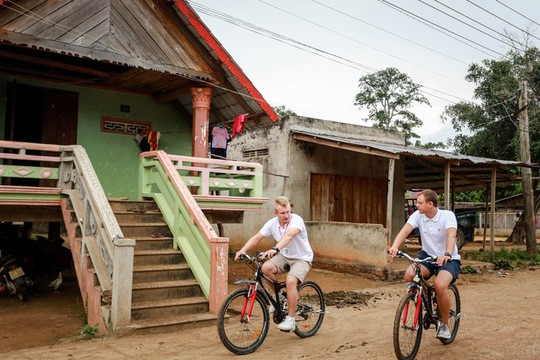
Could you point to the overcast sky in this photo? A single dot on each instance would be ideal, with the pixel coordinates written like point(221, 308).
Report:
point(308, 55)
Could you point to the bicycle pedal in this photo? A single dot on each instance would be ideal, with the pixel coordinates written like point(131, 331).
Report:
point(285, 330)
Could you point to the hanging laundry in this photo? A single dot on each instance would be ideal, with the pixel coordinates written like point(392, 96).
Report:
point(147, 140)
point(153, 139)
point(219, 138)
point(238, 125)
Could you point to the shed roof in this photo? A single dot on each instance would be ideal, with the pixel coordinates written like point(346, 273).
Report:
point(425, 168)
point(155, 47)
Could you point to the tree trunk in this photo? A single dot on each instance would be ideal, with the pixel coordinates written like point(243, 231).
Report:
point(518, 232)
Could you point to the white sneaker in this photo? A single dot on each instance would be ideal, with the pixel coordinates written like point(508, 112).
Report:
point(288, 324)
point(443, 332)
point(271, 309)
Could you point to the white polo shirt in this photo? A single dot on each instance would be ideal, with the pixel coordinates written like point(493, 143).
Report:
point(298, 247)
point(433, 231)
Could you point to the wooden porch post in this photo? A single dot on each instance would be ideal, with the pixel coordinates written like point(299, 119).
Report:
point(447, 203)
point(202, 98)
point(492, 215)
point(389, 199)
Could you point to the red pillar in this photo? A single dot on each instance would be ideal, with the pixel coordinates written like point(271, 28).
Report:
point(201, 121)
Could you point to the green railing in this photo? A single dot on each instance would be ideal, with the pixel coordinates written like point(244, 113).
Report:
point(182, 186)
point(205, 252)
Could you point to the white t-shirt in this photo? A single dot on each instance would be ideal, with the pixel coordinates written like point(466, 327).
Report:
point(298, 247)
point(433, 231)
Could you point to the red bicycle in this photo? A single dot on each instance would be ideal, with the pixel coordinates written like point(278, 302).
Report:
point(243, 319)
point(418, 310)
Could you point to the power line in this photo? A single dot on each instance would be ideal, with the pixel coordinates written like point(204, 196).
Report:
point(249, 26)
point(356, 40)
point(517, 12)
point(468, 17)
point(439, 27)
point(389, 32)
point(500, 18)
point(270, 34)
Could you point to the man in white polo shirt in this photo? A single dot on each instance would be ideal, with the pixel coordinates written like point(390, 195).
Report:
point(291, 249)
point(438, 233)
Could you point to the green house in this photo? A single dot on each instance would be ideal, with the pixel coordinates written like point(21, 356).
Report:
point(108, 110)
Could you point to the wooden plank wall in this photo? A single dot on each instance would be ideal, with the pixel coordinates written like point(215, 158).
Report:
point(145, 29)
point(348, 199)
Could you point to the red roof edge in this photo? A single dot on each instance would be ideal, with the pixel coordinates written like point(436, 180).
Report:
point(223, 56)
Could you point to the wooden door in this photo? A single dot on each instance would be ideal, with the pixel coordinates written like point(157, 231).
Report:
point(348, 198)
point(41, 115)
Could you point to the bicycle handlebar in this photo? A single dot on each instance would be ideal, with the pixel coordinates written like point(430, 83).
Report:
point(429, 259)
point(245, 256)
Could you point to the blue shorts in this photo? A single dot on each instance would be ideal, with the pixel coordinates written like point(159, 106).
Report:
point(453, 267)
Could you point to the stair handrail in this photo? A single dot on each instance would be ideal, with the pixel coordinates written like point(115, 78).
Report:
point(111, 253)
point(205, 251)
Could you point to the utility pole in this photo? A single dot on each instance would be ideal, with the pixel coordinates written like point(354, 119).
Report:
point(526, 173)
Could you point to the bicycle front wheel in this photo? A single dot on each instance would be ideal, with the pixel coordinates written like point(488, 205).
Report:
point(309, 310)
point(241, 332)
point(455, 313)
point(407, 328)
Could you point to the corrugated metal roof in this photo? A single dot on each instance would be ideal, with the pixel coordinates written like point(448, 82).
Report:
point(425, 168)
point(416, 151)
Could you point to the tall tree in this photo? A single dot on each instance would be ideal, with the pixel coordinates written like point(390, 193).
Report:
point(490, 127)
point(388, 94)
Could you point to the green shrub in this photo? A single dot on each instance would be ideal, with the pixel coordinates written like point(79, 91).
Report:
point(505, 259)
point(468, 269)
point(90, 330)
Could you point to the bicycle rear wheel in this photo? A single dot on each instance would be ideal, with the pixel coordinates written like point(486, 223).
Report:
point(407, 335)
point(455, 313)
point(309, 310)
point(242, 334)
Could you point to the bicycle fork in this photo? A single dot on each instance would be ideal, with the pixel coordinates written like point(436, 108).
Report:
point(417, 309)
point(249, 302)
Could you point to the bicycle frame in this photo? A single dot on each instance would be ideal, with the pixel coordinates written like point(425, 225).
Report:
point(258, 285)
point(424, 292)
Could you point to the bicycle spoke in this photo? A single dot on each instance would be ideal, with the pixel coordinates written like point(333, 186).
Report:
point(242, 334)
point(309, 310)
point(407, 328)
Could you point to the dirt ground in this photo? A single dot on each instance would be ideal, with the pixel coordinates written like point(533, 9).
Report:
point(500, 320)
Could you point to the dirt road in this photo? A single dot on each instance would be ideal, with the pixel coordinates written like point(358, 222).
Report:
point(500, 320)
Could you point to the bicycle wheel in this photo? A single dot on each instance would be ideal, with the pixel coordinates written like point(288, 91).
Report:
point(309, 310)
point(407, 335)
point(455, 313)
point(242, 334)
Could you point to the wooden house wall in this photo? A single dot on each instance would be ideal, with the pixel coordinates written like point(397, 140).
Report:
point(348, 199)
point(138, 28)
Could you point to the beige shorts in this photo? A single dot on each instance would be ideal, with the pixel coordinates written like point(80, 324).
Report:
point(299, 268)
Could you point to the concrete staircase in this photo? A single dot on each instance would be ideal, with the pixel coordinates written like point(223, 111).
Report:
point(166, 296)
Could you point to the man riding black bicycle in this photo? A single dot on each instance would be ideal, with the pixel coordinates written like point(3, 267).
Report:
point(292, 250)
point(438, 233)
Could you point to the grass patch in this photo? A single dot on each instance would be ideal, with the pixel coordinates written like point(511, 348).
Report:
point(468, 269)
point(506, 259)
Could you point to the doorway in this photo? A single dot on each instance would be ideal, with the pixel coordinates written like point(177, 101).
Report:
point(40, 115)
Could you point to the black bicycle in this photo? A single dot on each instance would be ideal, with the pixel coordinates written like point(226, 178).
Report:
point(418, 310)
point(243, 319)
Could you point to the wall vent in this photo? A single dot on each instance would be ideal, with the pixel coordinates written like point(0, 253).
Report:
point(255, 153)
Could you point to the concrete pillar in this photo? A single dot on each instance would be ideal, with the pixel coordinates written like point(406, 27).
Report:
point(202, 98)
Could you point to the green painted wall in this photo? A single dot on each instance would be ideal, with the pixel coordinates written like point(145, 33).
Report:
point(115, 156)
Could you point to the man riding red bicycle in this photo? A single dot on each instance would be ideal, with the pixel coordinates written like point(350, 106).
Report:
point(438, 231)
point(292, 250)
